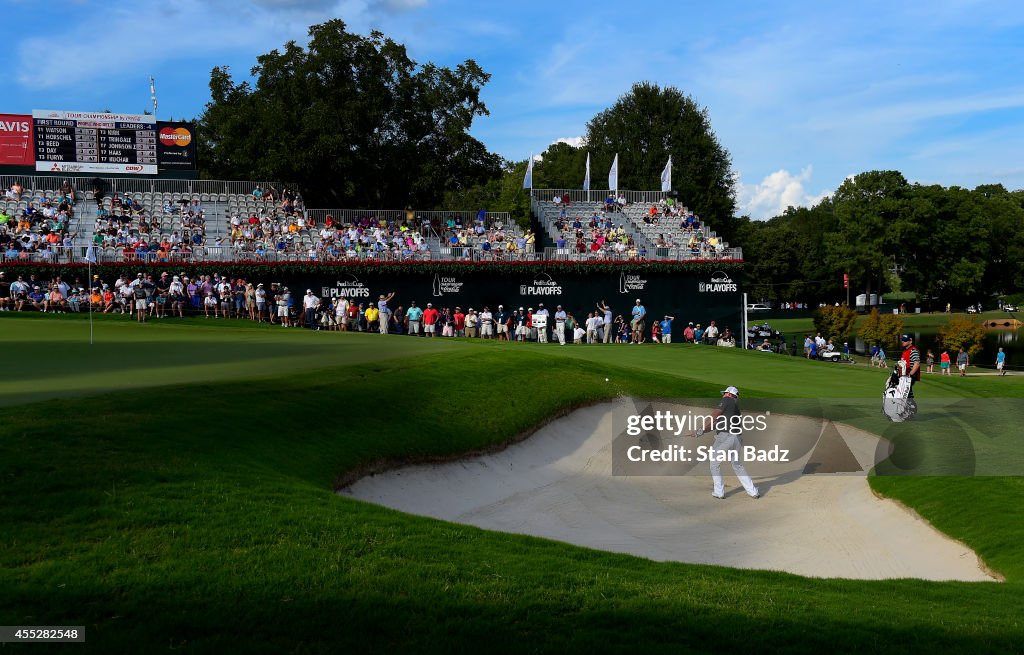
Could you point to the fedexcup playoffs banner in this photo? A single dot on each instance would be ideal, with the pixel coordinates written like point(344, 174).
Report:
point(698, 297)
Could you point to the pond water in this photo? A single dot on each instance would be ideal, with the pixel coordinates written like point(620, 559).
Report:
point(1012, 342)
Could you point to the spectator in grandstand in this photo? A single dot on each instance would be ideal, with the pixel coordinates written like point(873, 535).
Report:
point(36, 298)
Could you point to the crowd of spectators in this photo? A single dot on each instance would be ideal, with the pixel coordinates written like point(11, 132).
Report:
point(148, 296)
point(40, 230)
point(599, 235)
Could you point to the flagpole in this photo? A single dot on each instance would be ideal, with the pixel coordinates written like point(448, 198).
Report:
point(90, 256)
point(90, 301)
point(616, 175)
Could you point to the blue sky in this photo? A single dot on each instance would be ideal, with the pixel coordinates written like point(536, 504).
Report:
point(802, 94)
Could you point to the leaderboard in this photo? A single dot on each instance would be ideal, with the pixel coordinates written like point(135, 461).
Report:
point(95, 142)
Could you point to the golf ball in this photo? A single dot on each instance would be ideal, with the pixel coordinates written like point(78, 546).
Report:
point(606, 379)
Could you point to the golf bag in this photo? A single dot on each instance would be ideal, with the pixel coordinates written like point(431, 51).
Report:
point(896, 401)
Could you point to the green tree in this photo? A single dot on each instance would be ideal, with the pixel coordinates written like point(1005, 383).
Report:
point(562, 166)
point(352, 120)
point(500, 194)
point(962, 332)
point(648, 124)
point(835, 322)
point(884, 329)
point(871, 226)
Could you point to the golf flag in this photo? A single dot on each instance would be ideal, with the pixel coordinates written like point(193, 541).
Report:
point(90, 254)
point(586, 179)
point(666, 176)
point(528, 179)
point(613, 174)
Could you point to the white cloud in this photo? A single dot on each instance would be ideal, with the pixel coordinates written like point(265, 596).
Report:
point(574, 141)
point(776, 192)
point(210, 31)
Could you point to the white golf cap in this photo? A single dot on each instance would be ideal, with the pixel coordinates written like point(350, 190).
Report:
point(733, 390)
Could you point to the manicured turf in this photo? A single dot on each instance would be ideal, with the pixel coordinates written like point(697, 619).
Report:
point(187, 503)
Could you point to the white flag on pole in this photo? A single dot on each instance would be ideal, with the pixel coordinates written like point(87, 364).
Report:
point(666, 176)
point(528, 179)
point(586, 179)
point(613, 174)
point(90, 254)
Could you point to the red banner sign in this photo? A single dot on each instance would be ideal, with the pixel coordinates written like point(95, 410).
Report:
point(17, 142)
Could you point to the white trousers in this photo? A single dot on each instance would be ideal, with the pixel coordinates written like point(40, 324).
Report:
point(726, 442)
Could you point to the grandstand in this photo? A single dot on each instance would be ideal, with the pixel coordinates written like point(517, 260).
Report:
point(156, 220)
point(627, 229)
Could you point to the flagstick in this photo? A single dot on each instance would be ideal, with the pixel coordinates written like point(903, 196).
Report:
point(90, 301)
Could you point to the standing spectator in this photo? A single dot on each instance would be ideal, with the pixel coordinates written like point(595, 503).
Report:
point(592, 327)
point(430, 318)
point(606, 323)
point(414, 317)
point(176, 293)
point(310, 303)
point(1001, 362)
point(711, 334)
point(962, 362)
point(698, 334)
point(930, 359)
point(521, 324)
point(502, 323)
point(540, 321)
point(560, 324)
point(666, 328)
point(383, 313)
point(944, 363)
point(281, 300)
point(486, 323)
point(341, 313)
point(636, 324)
point(398, 318)
point(139, 295)
point(373, 317)
point(458, 323)
point(472, 323)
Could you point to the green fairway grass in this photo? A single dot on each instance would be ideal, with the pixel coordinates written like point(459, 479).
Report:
point(172, 489)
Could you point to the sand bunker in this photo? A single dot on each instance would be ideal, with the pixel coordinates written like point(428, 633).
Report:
point(558, 484)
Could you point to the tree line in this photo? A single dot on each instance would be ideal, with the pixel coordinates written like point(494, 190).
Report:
point(944, 244)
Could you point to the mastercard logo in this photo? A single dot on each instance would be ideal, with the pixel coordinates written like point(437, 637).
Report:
point(175, 136)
